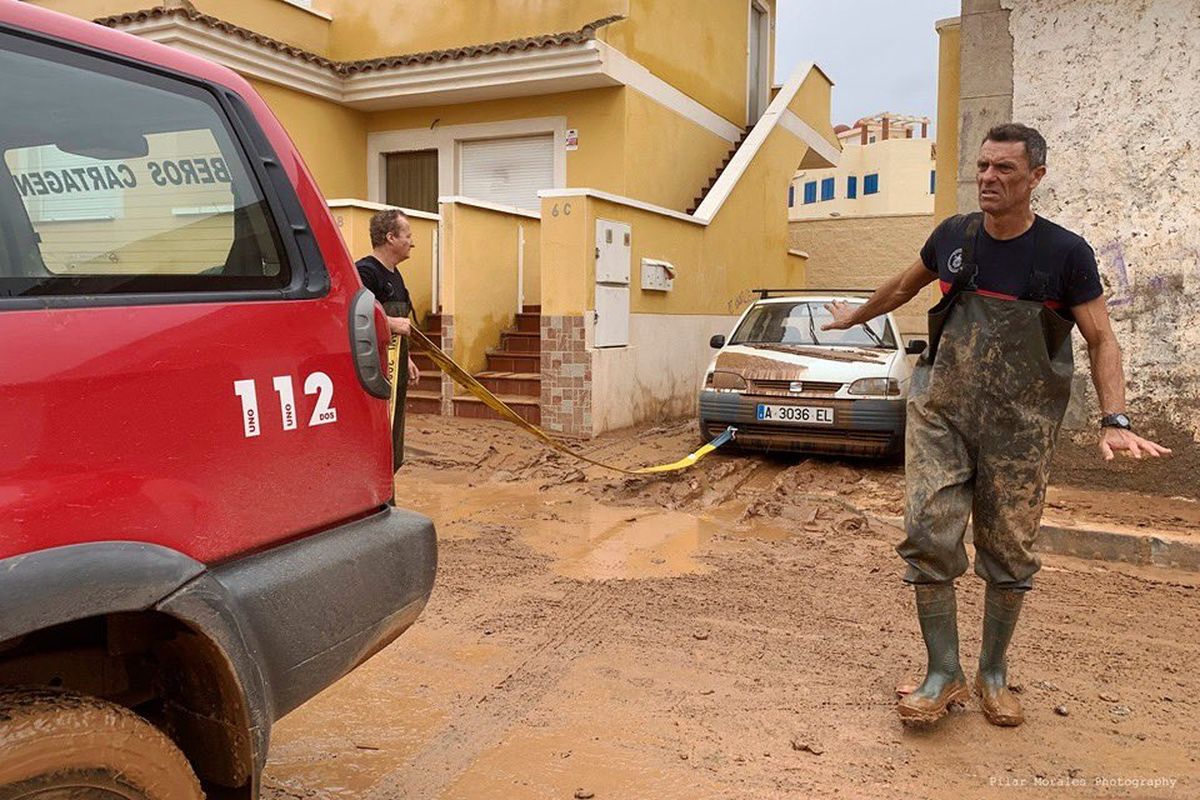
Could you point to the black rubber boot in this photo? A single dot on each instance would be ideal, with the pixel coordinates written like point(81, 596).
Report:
point(1001, 609)
point(944, 684)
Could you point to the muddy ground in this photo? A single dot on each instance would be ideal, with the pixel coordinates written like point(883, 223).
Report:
point(735, 631)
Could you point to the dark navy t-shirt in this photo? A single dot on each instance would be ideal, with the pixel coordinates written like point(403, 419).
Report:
point(386, 284)
point(1004, 265)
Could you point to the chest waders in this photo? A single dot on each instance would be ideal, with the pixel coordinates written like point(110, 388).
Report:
point(401, 309)
point(985, 405)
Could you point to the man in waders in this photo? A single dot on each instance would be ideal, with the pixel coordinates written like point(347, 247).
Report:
point(391, 243)
point(985, 405)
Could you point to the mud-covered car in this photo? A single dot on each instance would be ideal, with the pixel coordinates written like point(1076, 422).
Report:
point(785, 384)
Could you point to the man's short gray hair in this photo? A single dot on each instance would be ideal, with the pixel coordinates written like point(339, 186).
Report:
point(383, 223)
point(1035, 144)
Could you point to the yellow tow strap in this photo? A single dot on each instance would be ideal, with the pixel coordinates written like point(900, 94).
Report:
point(468, 381)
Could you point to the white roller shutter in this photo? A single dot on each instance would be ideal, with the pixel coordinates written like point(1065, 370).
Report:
point(508, 171)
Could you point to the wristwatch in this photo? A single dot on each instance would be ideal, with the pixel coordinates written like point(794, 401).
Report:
point(1118, 420)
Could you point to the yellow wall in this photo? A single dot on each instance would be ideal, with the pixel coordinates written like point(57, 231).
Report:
point(479, 281)
point(698, 46)
point(598, 115)
point(368, 30)
point(863, 252)
point(353, 223)
point(668, 158)
point(743, 247)
point(532, 286)
point(331, 138)
point(272, 18)
point(903, 167)
point(945, 202)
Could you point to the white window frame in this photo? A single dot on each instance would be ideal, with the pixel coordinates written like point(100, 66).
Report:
point(445, 139)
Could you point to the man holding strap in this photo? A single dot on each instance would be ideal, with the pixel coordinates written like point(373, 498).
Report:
point(391, 243)
point(985, 406)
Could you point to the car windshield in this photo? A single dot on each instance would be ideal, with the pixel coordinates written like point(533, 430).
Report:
point(800, 323)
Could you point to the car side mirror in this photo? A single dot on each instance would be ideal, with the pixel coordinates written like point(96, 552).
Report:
point(717, 342)
point(916, 347)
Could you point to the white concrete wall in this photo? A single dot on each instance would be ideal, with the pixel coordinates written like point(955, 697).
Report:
point(1112, 84)
point(657, 377)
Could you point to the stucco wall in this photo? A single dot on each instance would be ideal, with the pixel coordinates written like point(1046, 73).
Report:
point(479, 278)
point(1126, 68)
point(668, 158)
point(863, 252)
point(597, 114)
point(657, 377)
point(331, 138)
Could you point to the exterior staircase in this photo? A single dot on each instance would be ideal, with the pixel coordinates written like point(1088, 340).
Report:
point(514, 372)
point(696, 201)
point(425, 396)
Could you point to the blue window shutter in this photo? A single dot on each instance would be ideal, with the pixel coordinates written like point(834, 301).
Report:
point(871, 183)
point(932, 180)
point(827, 189)
point(810, 192)
point(791, 196)
point(852, 187)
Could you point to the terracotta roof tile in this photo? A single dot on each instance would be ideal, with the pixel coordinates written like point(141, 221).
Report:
point(189, 12)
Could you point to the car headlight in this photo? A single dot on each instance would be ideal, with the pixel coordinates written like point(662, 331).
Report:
point(722, 381)
point(875, 386)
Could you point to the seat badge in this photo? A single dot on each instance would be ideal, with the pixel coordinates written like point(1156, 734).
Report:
point(796, 386)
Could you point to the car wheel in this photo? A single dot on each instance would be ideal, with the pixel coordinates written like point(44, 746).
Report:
point(60, 744)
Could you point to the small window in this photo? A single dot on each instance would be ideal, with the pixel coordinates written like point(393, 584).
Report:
point(932, 181)
point(852, 187)
point(117, 180)
point(810, 192)
point(791, 196)
point(871, 140)
point(827, 189)
point(871, 183)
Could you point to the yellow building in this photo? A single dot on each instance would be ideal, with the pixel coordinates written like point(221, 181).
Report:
point(593, 184)
point(887, 167)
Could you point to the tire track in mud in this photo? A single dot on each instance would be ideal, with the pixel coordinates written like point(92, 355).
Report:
point(576, 626)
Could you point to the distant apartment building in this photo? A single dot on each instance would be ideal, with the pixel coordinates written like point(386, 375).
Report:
point(887, 167)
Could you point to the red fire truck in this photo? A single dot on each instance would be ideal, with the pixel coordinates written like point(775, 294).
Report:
point(197, 524)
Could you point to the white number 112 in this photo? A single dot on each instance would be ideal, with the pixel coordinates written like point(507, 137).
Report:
point(317, 383)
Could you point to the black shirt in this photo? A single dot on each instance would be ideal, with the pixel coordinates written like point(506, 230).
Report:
point(1004, 265)
point(386, 284)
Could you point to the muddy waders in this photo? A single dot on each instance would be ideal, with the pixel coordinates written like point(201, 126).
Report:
point(402, 310)
point(985, 405)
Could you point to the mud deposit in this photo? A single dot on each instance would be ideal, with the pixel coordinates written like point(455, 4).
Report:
point(735, 631)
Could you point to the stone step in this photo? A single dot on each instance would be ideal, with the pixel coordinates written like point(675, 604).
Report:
point(522, 384)
point(508, 361)
point(521, 342)
point(423, 402)
point(527, 408)
point(529, 322)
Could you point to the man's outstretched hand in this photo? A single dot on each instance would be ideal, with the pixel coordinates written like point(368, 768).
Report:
point(1115, 440)
point(843, 316)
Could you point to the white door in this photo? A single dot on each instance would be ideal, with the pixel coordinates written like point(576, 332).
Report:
point(507, 171)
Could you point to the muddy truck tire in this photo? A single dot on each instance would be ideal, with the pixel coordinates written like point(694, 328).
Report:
point(62, 744)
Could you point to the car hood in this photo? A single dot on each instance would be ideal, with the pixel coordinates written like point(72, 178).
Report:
point(795, 362)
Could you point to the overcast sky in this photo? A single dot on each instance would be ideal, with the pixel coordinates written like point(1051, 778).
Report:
point(881, 54)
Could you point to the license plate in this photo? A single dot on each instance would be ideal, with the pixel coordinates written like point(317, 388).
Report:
point(803, 415)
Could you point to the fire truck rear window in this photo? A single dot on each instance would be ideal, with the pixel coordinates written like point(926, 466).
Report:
point(115, 181)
